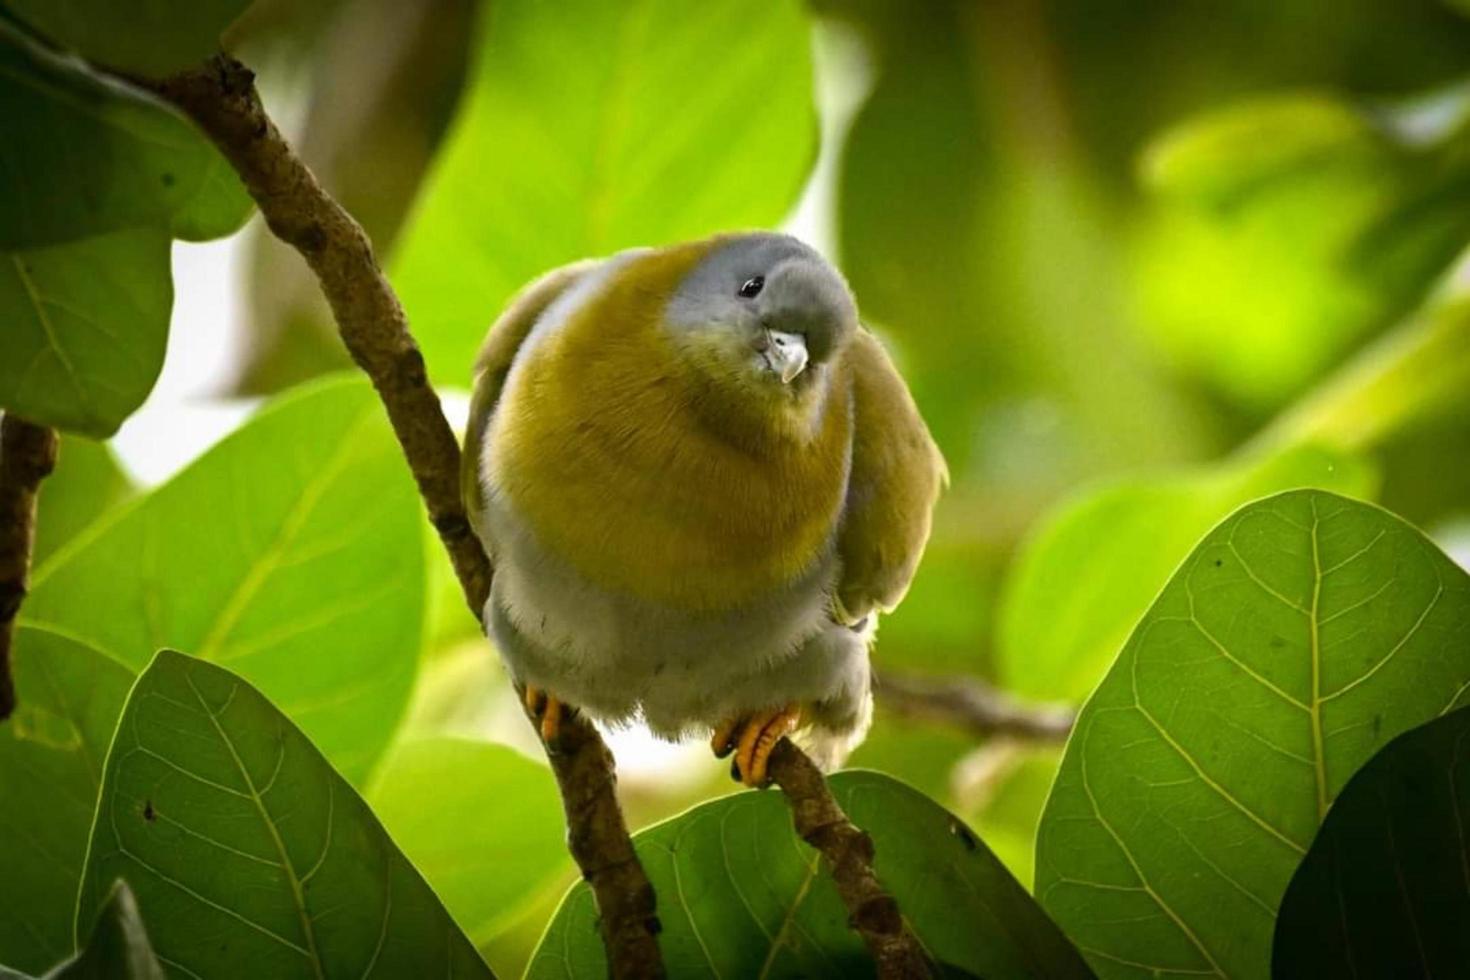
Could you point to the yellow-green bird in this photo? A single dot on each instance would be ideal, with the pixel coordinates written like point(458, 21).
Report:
point(700, 479)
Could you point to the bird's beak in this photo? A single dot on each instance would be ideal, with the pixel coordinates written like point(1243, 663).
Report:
point(786, 353)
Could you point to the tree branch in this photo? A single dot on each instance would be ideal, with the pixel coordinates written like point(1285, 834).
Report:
point(220, 97)
point(973, 705)
point(27, 456)
point(848, 853)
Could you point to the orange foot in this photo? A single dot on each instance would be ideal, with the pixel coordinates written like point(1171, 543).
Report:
point(548, 711)
point(751, 739)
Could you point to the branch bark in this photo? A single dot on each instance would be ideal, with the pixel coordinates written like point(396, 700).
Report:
point(973, 705)
point(27, 456)
point(848, 854)
point(221, 98)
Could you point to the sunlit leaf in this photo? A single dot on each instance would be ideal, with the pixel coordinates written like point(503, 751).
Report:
point(87, 482)
point(292, 553)
point(1086, 576)
point(1385, 888)
point(85, 328)
point(51, 755)
point(480, 821)
point(145, 36)
point(245, 847)
point(741, 895)
point(84, 155)
point(1300, 635)
point(647, 123)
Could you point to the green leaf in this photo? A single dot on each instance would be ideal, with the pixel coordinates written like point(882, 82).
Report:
point(86, 484)
point(1219, 156)
point(632, 124)
point(246, 850)
point(84, 155)
point(143, 36)
point(292, 552)
point(485, 869)
point(51, 755)
point(117, 949)
point(740, 894)
point(86, 324)
point(1385, 888)
point(1086, 576)
point(1300, 635)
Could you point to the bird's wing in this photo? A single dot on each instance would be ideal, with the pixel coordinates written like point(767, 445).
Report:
point(493, 364)
point(897, 473)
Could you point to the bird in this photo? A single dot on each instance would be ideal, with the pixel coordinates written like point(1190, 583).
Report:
point(700, 479)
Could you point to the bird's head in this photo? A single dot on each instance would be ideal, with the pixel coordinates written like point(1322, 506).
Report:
point(762, 317)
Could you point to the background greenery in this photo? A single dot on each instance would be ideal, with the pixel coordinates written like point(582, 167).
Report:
point(1143, 264)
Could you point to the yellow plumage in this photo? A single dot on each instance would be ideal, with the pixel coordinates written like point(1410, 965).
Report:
point(653, 468)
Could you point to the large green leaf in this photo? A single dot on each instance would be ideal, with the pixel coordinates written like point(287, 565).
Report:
point(485, 869)
point(84, 155)
point(51, 755)
point(1385, 888)
point(116, 949)
point(740, 895)
point(1084, 579)
point(144, 36)
point(86, 324)
point(1300, 635)
point(248, 853)
point(292, 552)
point(591, 127)
point(86, 483)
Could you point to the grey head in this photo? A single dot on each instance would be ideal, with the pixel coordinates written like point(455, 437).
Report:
point(765, 306)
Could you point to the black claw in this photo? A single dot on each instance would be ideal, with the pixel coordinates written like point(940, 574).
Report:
point(735, 770)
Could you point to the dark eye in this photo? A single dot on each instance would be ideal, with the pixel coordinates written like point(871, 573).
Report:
point(752, 286)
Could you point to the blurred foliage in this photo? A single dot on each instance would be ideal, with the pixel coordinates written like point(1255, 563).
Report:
point(379, 82)
point(1142, 264)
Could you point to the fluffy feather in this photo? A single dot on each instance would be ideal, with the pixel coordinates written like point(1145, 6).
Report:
point(677, 536)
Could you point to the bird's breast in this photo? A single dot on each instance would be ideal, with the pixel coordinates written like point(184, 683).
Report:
point(599, 456)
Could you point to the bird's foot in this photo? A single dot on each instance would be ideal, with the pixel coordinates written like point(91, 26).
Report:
point(548, 712)
point(752, 738)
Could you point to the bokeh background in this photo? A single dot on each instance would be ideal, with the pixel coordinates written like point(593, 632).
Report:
point(1140, 262)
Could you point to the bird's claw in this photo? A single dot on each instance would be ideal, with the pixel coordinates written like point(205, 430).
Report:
point(548, 712)
point(752, 738)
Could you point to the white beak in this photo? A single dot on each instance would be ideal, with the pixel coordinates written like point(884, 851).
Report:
point(786, 353)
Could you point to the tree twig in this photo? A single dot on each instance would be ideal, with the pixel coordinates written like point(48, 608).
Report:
point(27, 456)
point(221, 98)
point(971, 704)
point(848, 853)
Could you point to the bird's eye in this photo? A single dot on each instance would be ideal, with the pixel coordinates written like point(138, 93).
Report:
point(751, 287)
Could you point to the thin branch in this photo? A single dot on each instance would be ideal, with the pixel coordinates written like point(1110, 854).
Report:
point(27, 456)
point(220, 97)
point(973, 705)
point(848, 854)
